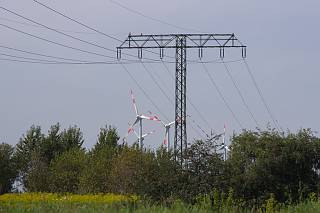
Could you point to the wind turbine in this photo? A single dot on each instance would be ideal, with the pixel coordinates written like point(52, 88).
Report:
point(167, 127)
point(139, 118)
point(131, 129)
point(224, 146)
point(166, 140)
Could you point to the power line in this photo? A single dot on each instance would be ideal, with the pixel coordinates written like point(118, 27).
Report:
point(221, 96)
point(57, 31)
point(86, 62)
point(189, 100)
point(199, 127)
point(240, 94)
point(155, 81)
point(36, 26)
point(43, 55)
point(37, 61)
point(78, 22)
point(52, 41)
point(34, 61)
point(27, 58)
point(165, 94)
point(56, 43)
point(195, 130)
point(65, 34)
point(44, 61)
point(23, 61)
point(275, 122)
point(172, 103)
point(151, 18)
point(143, 91)
point(85, 25)
point(109, 36)
point(67, 63)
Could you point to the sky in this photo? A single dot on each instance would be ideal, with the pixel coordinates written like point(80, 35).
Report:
point(282, 54)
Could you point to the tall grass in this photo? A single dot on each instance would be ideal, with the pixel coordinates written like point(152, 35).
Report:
point(42, 202)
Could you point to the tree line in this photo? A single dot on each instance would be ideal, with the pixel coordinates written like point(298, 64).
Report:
point(262, 165)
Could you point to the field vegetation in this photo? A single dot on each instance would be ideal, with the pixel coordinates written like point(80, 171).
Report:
point(266, 170)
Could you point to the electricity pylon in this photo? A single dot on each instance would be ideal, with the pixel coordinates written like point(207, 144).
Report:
point(181, 42)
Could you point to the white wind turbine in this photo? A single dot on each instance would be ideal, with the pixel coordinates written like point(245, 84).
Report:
point(131, 129)
point(224, 147)
point(166, 140)
point(139, 118)
point(167, 127)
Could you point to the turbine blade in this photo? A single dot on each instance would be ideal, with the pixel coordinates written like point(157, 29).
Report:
point(149, 133)
point(136, 133)
point(134, 102)
point(156, 117)
point(165, 141)
point(170, 124)
point(136, 121)
point(222, 147)
point(130, 130)
point(152, 118)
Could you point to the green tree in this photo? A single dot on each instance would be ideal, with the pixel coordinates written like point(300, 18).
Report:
point(71, 138)
point(96, 176)
point(37, 178)
point(205, 169)
point(29, 144)
point(165, 179)
point(66, 170)
point(7, 168)
point(108, 137)
point(125, 171)
point(52, 145)
point(268, 162)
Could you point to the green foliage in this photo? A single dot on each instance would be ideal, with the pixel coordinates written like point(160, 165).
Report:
point(271, 204)
point(29, 143)
point(108, 136)
point(178, 206)
point(265, 169)
point(65, 171)
point(268, 162)
point(37, 179)
point(95, 178)
point(52, 145)
point(205, 169)
point(7, 168)
point(71, 138)
point(36, 151)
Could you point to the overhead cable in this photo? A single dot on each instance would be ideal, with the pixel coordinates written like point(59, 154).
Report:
point(240, 94)
point(143, 91)
point(222, 96)
point(275, 122)
point(189, 99)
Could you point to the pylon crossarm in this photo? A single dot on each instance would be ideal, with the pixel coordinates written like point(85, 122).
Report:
point(193, 41)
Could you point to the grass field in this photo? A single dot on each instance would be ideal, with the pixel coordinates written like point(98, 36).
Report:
point(43, 202)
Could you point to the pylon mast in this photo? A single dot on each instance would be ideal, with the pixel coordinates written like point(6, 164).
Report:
point(181, 42)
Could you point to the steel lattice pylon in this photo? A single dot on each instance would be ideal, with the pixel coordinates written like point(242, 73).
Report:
point(180, 136)
point(181, 42)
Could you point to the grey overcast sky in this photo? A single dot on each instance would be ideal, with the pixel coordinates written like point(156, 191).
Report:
point(283, 54)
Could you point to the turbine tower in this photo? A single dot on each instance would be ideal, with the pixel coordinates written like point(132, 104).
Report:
point(224, 146)
point(166, 140)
